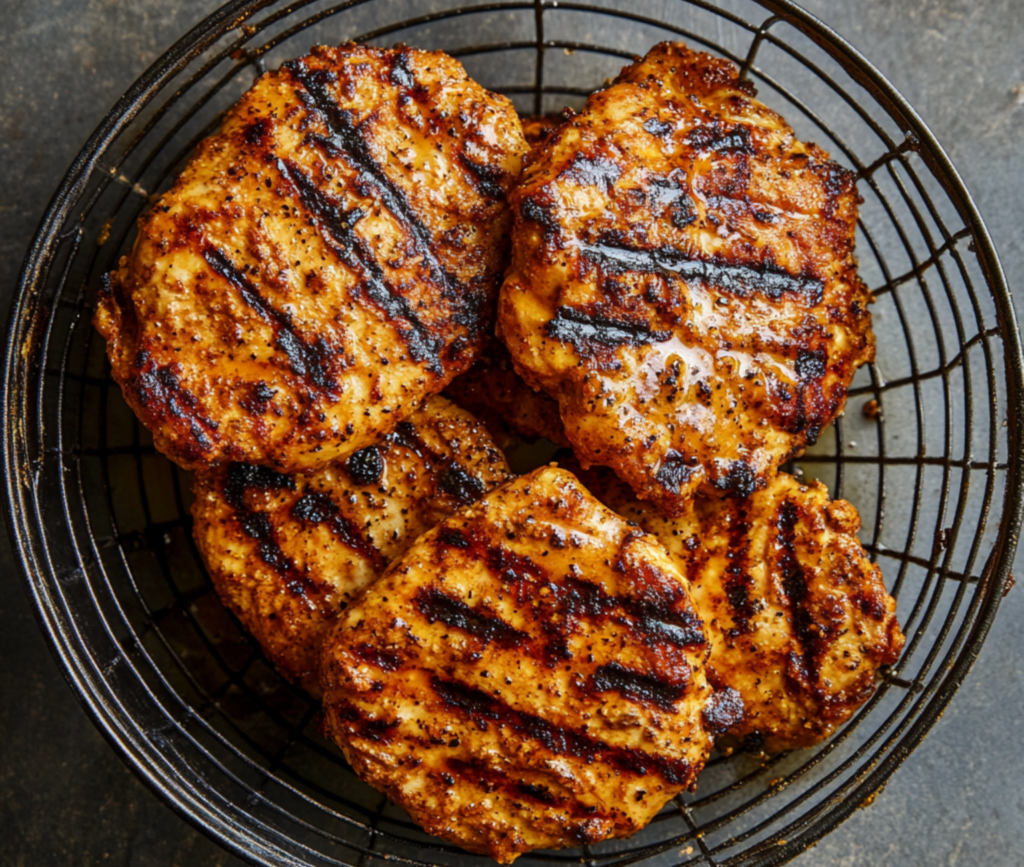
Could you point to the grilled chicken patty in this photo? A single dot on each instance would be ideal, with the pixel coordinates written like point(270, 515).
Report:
point(683, 281)
point(287, 553)
point(530, 674)
point(798, 616)
point(326, 261)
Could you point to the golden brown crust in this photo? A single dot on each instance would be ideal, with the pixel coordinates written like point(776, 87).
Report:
point(683, 281)
point(528, 675)
point(287, 553)
point(326, 261)
point(798, 616)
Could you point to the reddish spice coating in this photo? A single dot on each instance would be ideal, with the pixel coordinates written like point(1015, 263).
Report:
point(326, 261)
point(683, 281)
point(549, 687)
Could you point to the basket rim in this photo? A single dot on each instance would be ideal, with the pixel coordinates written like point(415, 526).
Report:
point(228, 824)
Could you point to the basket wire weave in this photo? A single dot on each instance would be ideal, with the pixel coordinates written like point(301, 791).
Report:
point(101, 521)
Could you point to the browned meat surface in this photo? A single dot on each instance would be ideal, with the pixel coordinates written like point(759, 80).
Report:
point(798, 616)
point(493, 390)
point(287, 553)
point(325, 262)
point(538, 127)
point(683, 281)
point(530, 674)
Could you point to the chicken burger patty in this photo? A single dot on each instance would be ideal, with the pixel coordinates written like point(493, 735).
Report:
point(529, 674)
point(326, 261)
point(683, 281)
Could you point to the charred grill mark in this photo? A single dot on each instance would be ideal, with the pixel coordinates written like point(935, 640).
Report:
point(484, 710)
point(659, 616)
point(597, 171)
point(657, 127)
point(586, 332)
point(316, 507)
point(158, 391)
point(810, 409)
point(871, 602)
point(739, 480)
point(739, 280)
point(811, 364)
point(640, 687)
point(438, 607)
point(717, 138)
point(255, 132)
point(723, 711)
point(451, 477)
point(492, 780)
point(453, 539)
point(802, 665)
point(366, 466)
point(512, 567)
point(489, 180)
point(653, 614)
point(536, 211)
point(345, 137)
point(666, 196)
point(310, 361)
point(673, 473)
point(406, 435)
point(457, 482)
point(257, 399)
point(242, 478)
point(336, 227)
point(541, 794)
point(377, 657)
point(737, 581)
point(657, 613)
point(401, 75)
point(361, 726)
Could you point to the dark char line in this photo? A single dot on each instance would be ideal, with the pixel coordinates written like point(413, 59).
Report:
point(723, 711)
point(651, 614)
point(483, 710)
point(336, 228)
point(451, 477)
point(318, 508)
point(737, 581)
point(740, 280)
point(309, 361)
point(242, 478)
point(639, 687)
point(584, 330)
point(492, 780)
point(794, 585)
point(438, 607)
point(345, 138)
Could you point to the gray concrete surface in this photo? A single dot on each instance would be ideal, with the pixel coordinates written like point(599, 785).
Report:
point(64, 796)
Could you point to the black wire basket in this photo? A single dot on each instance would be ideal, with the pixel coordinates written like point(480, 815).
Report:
point(927, 448)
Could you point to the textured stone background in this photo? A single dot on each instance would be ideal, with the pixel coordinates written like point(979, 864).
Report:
point(66, 798)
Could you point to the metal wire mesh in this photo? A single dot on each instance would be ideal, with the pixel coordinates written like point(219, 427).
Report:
point(101, 520)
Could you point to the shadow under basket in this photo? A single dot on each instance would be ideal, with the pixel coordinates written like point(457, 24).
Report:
point(101, 522)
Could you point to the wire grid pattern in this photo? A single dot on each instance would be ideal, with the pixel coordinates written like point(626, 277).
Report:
point(102, 521)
